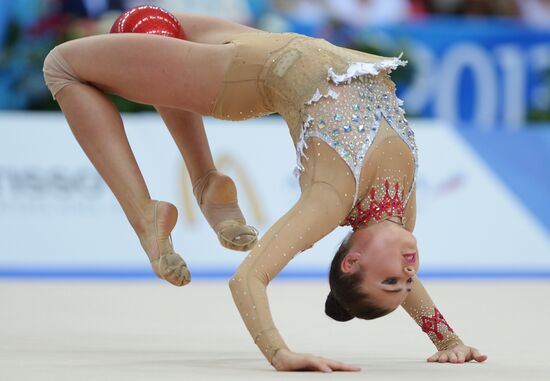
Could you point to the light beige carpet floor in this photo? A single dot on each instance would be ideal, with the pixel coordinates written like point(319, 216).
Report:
point(150, 331)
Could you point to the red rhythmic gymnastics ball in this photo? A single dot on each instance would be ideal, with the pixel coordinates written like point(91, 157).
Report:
point(148, 19)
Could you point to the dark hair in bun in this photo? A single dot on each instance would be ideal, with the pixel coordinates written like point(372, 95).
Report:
point(335, 310)
point(346, 299)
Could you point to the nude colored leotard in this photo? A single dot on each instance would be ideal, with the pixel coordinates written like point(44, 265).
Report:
point(289, 73)
point(346, 122)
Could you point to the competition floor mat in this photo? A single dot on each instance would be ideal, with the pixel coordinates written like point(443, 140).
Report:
point(146, 330)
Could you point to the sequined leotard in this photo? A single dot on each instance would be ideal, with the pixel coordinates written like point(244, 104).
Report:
point(356, 157)
point(293, 74)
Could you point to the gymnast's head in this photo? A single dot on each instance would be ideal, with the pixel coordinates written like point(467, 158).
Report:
point(372, 272)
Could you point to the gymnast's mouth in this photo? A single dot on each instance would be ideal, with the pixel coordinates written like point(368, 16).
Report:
point(410, 258)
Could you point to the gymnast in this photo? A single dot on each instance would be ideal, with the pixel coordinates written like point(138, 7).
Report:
point(356, 160)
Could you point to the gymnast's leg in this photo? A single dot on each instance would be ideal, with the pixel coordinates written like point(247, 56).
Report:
point(187, 130)
point(215, 192)
point(146, 69)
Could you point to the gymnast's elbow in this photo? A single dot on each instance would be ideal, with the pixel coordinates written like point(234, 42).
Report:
point(234, 284)
point(243, 281)
point(238, 282)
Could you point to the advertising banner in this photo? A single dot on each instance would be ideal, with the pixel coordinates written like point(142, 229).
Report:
point(58, 218)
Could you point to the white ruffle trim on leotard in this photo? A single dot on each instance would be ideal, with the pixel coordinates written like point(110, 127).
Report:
point(355, 69)
point(300, 146)
point(317, 96)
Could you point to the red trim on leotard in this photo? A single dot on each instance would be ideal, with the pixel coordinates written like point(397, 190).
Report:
point(387, 206)
point(431, 324)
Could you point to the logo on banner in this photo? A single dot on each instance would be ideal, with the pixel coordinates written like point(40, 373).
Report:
point(42, 187)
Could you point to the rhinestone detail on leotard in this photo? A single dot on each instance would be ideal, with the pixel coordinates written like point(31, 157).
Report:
point(351, 125)
point(375, 208)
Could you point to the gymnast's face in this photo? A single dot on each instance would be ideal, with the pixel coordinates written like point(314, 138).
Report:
point(387, 255)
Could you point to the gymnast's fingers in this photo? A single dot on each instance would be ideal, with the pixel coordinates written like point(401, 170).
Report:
point(461, 357)
point(443, 357)
point(452, 357)
point(321, 365)
point(478, 356)
point(336, 365)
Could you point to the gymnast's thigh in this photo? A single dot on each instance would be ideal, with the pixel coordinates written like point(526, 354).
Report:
point(151, 69)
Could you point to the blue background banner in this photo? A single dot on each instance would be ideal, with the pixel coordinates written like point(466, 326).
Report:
point(480, 200)
point(481, 72)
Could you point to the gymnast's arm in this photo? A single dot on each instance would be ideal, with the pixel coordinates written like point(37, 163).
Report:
point(421, 308)
point(318, 211)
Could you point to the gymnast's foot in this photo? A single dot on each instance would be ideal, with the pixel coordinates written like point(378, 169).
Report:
point(157, 243)
point(216, 195)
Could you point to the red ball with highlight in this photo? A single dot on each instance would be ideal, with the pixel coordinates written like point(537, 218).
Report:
point(148, 19)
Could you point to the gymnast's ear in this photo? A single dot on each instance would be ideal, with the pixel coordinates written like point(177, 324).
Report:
point(350, 263)
point(335, 310)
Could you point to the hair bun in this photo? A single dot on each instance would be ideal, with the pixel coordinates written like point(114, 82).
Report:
point(335, 310)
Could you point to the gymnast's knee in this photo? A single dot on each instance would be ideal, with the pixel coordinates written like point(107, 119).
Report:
point(57, 72)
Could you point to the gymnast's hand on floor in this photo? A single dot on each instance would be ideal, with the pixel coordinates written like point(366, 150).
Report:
point(285, 360)
point(458, 354)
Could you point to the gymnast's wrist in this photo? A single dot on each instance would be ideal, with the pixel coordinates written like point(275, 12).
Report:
point(276, 359)
point(449, 343)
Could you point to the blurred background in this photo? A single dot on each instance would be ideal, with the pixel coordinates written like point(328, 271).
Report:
point(477, 88)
